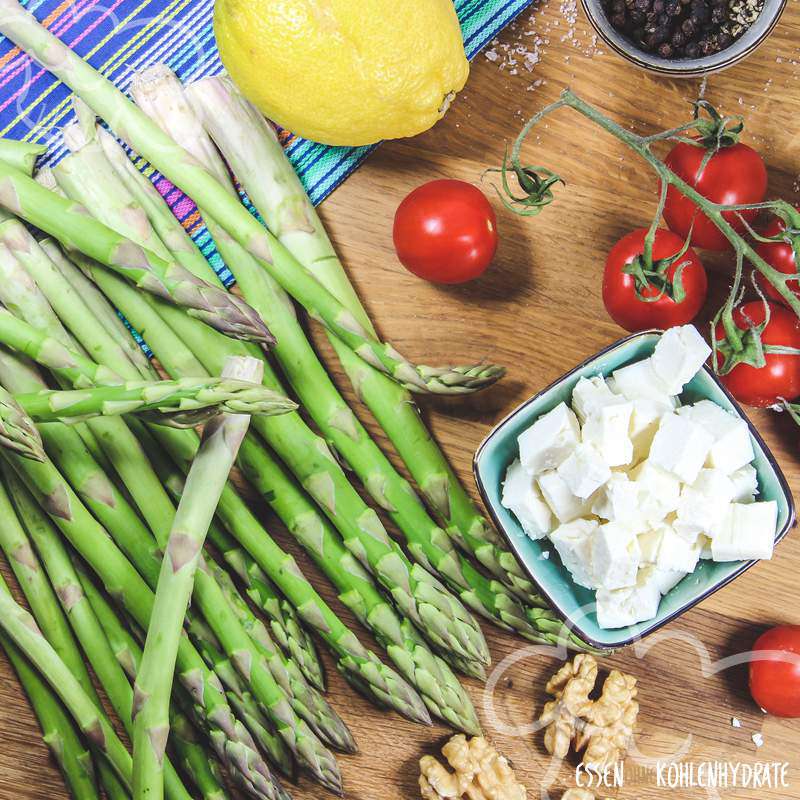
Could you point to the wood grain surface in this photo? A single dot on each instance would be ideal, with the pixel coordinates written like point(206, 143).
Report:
point(539, 311)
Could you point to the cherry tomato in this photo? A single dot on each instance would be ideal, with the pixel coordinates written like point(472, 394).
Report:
point(445, 231)
point(619, 289)
point(775, 678)
point(734, 175)
point(780, 376)
point(779, 255)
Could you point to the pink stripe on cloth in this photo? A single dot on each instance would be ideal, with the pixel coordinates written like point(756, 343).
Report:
point(27, 59)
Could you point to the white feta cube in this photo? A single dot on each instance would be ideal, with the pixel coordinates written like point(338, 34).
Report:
point(618, 500)
point(748, 532)
point(522, 497)
point(639, 380)
point(662, 580)
point(584, 471)
point(557, 494)
point(732, 447)
point(703, 505)
point(608, 432)
point(680, 446)
point(679, 355)
point(649, 544)
point(549, 440)
point(619, 608)
point(675, 553)
point(573, 542)
point(745, 484)
point(705, 547)
point(659, 491)
point(592, 394)
point(615, 556)
point(645, 419)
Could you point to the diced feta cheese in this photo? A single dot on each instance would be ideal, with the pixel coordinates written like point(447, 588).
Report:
point(675, 553)
point(649, 544)
point(645, 419)
point(620, 608)
point(680, 446)
point(679, 355)
point(615, 556)
point(733, 447)
point(705, 547)
point(702, 505)
point(592, 394)
point(639, 380)
point(607, 431)
point(563, 503)
point(745, 484)
point(573, 541)
point(618, 500)
point(584, 471)
point(659, 491)
point(549, 440)
point(521, 496)
point(748, 532)
point(661, 579)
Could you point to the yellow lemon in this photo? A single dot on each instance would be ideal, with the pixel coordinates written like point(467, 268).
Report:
point(344, 72)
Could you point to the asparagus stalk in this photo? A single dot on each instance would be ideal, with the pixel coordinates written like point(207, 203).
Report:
point(59, 568)
point(58, 730)
point(177, 401)
point(102, 309)
point(154, 678)
point(68, 223)
point(21, 155)
point(230, 739)
point(17, 432)
point(240, 697)
point(22, 630)
point(160, 94)
point(190, 753)
point(252, 149)
point(174, 162)
point(420, 595)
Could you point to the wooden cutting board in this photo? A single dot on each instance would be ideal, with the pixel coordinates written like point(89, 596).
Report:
point(539, 311)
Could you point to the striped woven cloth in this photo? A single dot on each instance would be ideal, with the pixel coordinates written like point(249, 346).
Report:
point(121, 36)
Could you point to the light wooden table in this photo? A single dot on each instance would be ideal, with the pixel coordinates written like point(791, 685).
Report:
point(539, 311)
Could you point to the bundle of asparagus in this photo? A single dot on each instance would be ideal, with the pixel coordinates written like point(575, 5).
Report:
point(99, 495)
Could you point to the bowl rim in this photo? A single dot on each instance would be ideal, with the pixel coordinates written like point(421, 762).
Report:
point(679, 68)
point(575, 626)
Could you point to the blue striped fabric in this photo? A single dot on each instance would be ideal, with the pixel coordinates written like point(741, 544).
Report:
point(122, 36)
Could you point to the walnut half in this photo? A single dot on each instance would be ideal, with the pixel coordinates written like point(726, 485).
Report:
point(479, 772)
point(602, 728)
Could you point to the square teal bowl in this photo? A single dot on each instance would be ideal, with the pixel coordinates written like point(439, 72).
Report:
point(572, 602)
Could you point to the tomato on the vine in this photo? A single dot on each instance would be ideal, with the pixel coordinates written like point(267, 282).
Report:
point(779, 378)
point(619, 287)
point(775, 671)
point(734, 175)
point(445, 231)
point(780, 256)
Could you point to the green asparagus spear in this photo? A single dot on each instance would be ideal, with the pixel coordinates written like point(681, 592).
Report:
point(154, 678)
point(22, 630)
point(174, 401)
point(58, 730)
point(82, 618)
point(420, 595)
point(16, 429)
point(21, 155)
point(254, 152)
point(230, 739)
point(68, 223)
point(174, 162)
point(189, 751)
